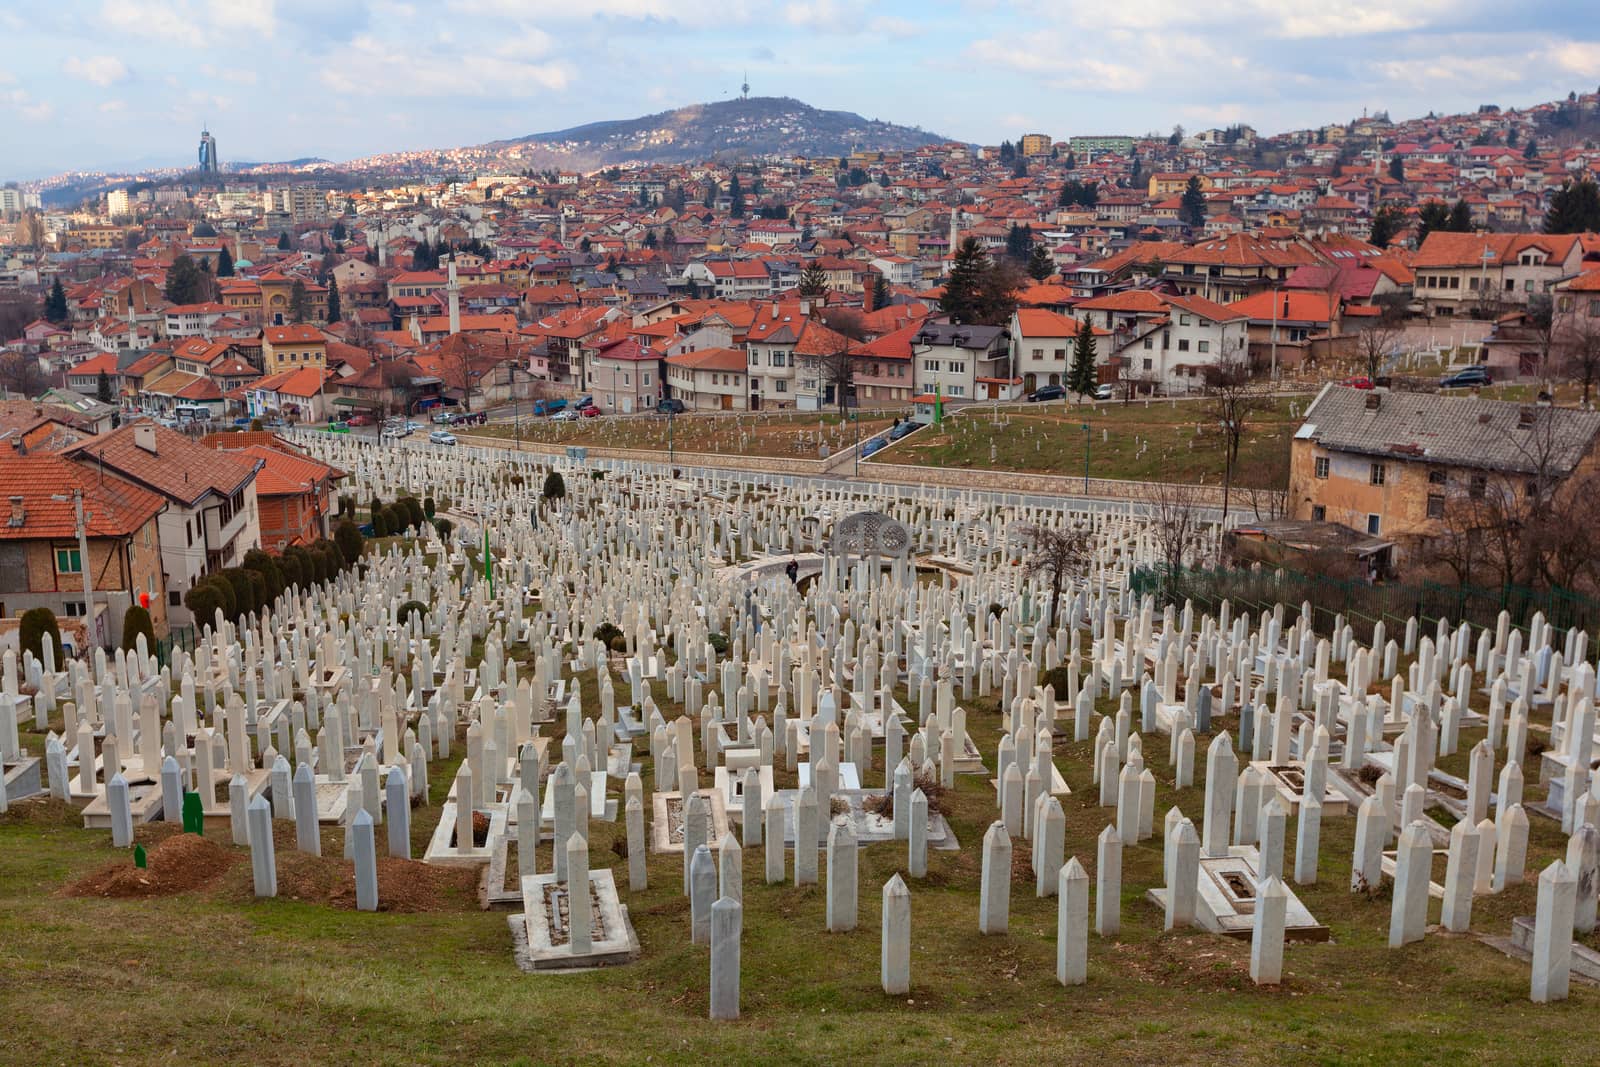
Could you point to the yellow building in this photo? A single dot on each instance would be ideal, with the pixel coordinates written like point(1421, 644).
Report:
point(1167, 183)
point(1036, 144)
point(292, 348)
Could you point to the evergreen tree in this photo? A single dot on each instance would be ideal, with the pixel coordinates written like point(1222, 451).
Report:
point(335, 311)
point(736, 194)
point(1532, 149)
point(813, 281)
point(1040, 265)
point(1397, 169)
point(1008, 152)
point(1385, 225)
point(186, 284)
point(1574, 208)
point(880, 292)
point(650, 239)
point(55, 305)
point(1019, 243)
point(1020, 168)
point(338, 232)
point(1460, 218)
point(1192, 208)
point(961, 289)
point(102, 388)
point(283, 241)
point(224, 263)
point(1083, 378)
point(1434, 216)
point(299, 302)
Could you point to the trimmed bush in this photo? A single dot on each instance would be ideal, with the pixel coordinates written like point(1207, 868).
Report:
point(136, 621)
point(555, 486)
point(380, 524)
point(413, 607)
point(290, 567)
point(38, 625)
point(428, 508)
point(261, 596)
point(348, 537)
point(204, 599)
point(267, 566)
point(607, 632)
point(244, 593)
point(444, 526)
point(718, 643)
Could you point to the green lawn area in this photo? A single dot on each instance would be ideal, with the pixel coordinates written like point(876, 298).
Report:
point(785, 435)
point(214, 975)
point(1159, 440)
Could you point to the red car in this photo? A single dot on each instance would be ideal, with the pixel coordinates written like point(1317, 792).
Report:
point(1358, 383)
point(360, 420)
point(589, 412)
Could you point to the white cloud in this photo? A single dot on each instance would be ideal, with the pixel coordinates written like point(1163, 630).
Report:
point(103, 71)
point(23, 104)
point(1581, 58)
point(371, 68)
point(196, 23)
point(236, 75)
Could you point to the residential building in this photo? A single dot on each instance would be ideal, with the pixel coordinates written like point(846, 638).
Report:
point(963, 362)
point(710, 379)
point(624, 377)
point(292, 348)
point(42, 555)
point(211, 517)
point(1462, 273)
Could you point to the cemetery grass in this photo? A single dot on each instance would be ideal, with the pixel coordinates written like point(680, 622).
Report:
point(1049, 439)
point(786, 435)
point(215, 975)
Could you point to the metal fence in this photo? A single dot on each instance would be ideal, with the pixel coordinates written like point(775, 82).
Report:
point(1363, 605)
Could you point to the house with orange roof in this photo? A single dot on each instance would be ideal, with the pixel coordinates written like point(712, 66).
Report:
point(45, 565)
point(295, 493)
point(1457, 273)
point(292, 347)
point(1042, 344)
point(708, 379)
point(884, 369)
point(296, 395)
point(624, 376)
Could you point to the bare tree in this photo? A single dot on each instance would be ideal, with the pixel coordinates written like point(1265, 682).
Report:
point(835, 366)
point(1176, 527)
point(1233, 399)
point(1376, 343)
point(1580, 351)
point(21, 373)
point(1054, 551)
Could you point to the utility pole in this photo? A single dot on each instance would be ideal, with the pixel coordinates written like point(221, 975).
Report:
point(83, 556)
point(1274, 334)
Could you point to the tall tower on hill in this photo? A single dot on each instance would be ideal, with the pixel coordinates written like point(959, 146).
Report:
point(744, 88)
point(208, 153)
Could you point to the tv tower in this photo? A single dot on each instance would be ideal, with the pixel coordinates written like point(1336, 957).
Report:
point(744, 88)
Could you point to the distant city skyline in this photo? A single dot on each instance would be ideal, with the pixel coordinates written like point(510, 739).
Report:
point(128, 84)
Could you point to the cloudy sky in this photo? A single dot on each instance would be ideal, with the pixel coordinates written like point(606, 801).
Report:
point(127, 83)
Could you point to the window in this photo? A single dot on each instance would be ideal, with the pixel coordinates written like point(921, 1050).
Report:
point(1478, 486)
point(68, 561)
point(1435, 505)
point(780, 386)
point(1204, 346)
point(74, 609)
point(627, 379)
point(1378, 473)
point(778, 359)
point(1038, 353)
point(1149, 343)
point(755, 357)
point(1183, 344)
point(1374, 524)
point(1183, 320)
point(1437, 478)
point(1319, 513)
point(174, 599)
point(1147, 364)
point(1321, 466)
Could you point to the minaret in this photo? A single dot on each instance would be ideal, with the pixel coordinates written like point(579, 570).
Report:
point(455, 300)
point(563, 229)
point(955, 232)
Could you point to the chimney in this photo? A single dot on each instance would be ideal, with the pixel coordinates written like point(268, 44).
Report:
point(144, 436)
point(18, 514)
point(1374, 401)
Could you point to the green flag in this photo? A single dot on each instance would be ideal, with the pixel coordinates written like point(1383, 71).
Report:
point(938, 406)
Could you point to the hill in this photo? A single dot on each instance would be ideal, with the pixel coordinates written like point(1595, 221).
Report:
point(761, 125)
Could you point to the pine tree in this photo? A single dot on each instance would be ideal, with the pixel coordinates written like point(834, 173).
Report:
point(1574, 208)
point(960, 299)
point(335, 312)
point(1385, 225)
point(1040, 265)
point(55, 305)
point(1192, 208)
point(736, 194)
point(880, 292)
point(1434, 216)
point(1019, 243)
point(185, 282)
point(299, 302)
point(1083, 378)
point(102, 388)
point(283, 242)
point(1397, 169)
point(338, 232)
point(224, 263)
point(813, 281)
point(1460, 218)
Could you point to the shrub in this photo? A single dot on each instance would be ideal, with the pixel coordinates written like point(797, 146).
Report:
point(204, 599)
point(995, 611)
point(444, 526)
point(38, 625)
point(348, 537)
point(255, 424)
point(555, 486)
point(413, 607)
point(291, 567)
point(595, 476)
point(415, 514)
point(373, 507)
point(607, 632)
point(136, 621)
point(428, 508)
point(619, 644)
point(1057, 677)
point(335, 553)
point(267, 566)
point(718, 643)
point(244, 593)
point(261, 596)
point(225, 590)
point(380, 524)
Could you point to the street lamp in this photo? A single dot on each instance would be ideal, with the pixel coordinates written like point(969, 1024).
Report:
point(1086, 458)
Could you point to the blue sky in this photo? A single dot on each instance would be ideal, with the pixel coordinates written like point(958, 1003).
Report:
point(115, 83)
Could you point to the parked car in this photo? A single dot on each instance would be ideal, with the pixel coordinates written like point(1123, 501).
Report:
point(442, 417)
point(360, 420)
point(442, 437)
point(1362, 382)
point(670, 406)
point(584, 401)
point(1465, 378)
point(589, 412)
point(396, 429)
point(1046, 392)
point(874, 445)
point(565, 415)
point(903, 429)
point(1105, 391)
point(549, 407)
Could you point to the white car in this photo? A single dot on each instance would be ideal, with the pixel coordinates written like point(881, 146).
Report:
point(442, 437)
point(564, 415)
point(1105, 392)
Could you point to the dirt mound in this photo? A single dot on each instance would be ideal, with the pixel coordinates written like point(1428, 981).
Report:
point(182, 863)
point(403, 885)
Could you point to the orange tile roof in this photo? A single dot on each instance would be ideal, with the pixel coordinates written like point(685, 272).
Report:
point(112, 507)
point(717, 359)
point(179, 468)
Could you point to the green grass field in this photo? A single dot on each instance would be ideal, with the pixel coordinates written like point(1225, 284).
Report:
point(1164, 440)
point(215, 975)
